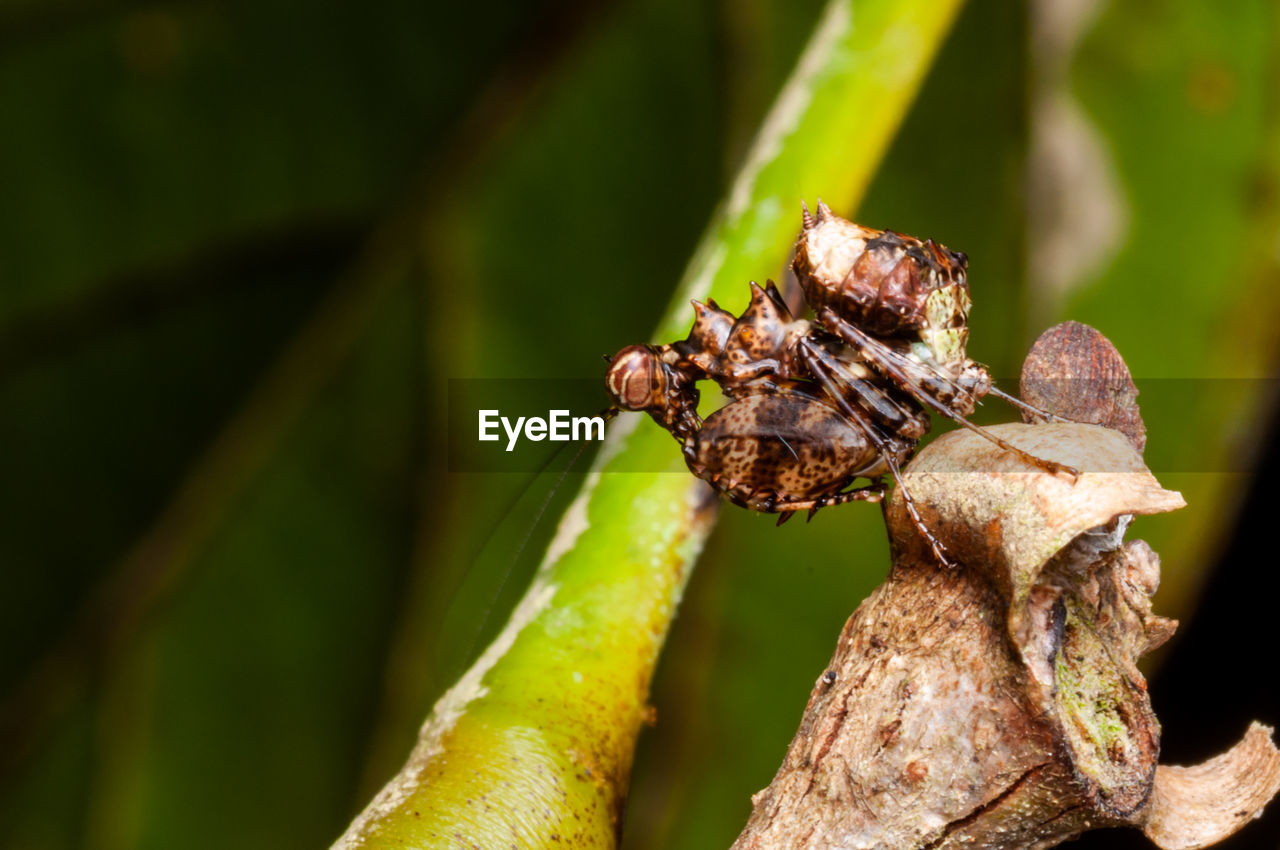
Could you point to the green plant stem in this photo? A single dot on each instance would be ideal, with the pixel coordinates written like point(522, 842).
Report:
point(533, 746)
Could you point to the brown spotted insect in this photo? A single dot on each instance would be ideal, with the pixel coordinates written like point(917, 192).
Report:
point(763, 349)
point(902, 305)
point(818, 404)
point(883, 282)
point(786, 442)
point(787, 450)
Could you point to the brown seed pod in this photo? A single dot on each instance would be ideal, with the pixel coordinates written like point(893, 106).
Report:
point(884, 282)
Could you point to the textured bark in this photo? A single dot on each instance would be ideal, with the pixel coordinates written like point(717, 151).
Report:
point(999, 704)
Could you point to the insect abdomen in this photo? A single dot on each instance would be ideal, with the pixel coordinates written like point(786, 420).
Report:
point(880, 280)
point(783, 442)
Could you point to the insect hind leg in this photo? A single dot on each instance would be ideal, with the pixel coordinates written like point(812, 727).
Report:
point(939, 551)
point(911, 378)
point(822, 371)
point(790, 507)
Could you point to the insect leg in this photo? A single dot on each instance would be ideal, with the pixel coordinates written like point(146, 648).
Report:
point(882, 445)
point(890, 413)
point(913, 378)
point(789, 507)
point(871, 493)
point(939, 551)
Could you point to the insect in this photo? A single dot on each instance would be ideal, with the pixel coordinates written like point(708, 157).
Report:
point(903, 306)
point(755, 450)
point(786, 450)
point(882, 281)
point(816, 404)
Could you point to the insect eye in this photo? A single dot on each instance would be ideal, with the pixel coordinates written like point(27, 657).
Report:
point(635, 378)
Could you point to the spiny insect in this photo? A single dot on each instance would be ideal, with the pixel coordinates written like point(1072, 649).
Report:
point(883, 282)
point(902, 305)
point(815, 405)
point(785, 443)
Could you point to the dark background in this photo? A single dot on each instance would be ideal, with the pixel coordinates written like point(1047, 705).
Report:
point(247, 245)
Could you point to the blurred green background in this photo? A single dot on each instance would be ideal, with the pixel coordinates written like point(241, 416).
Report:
point(246, 245)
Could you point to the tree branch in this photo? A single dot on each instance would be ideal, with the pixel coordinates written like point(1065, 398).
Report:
point(999, 704)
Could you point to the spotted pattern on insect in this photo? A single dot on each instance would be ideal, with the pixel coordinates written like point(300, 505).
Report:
point(784, 450)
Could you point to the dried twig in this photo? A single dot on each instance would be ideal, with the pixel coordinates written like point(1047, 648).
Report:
point(999, 704)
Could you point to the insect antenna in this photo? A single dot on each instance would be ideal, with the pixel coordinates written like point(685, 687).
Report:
point(1024, 407)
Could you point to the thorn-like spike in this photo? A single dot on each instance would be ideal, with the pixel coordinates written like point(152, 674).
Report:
point(771, 289)
point(823, 210)
point(711, 302)
point(760, 300)
point(784, 516)
point(805, 217)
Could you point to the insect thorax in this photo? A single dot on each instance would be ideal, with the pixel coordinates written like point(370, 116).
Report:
point(946, 326)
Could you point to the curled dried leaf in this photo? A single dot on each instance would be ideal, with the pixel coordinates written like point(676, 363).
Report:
point(995, 514)
point(1197, 806)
